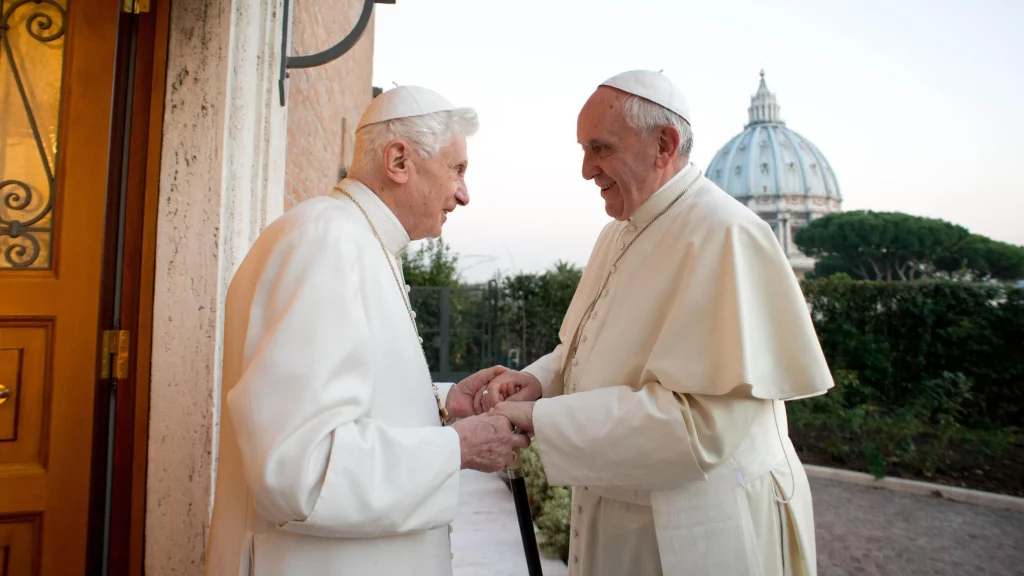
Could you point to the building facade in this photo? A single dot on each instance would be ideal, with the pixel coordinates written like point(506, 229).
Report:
point(143, 148)
point(777, 173)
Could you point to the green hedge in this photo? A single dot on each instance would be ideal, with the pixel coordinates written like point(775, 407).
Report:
point(924, 437)
point(899, 338)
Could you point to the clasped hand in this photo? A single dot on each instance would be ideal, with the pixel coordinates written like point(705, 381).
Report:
point(488, 406)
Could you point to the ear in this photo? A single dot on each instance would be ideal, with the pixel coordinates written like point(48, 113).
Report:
point(668, 146)
point(396, 161)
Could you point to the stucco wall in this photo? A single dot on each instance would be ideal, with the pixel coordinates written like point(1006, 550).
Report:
point(226, 143)
point(221, 181)
point(325, 103)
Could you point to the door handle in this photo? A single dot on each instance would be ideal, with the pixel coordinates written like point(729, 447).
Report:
point(5, 393)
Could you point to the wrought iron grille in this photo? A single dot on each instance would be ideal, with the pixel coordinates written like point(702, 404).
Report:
point(31, 72)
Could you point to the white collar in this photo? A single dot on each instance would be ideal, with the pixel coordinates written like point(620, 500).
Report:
point(660, 199)
point(391, 231)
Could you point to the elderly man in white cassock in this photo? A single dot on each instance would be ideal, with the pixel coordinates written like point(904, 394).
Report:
point(663, 405)
point(334, 453)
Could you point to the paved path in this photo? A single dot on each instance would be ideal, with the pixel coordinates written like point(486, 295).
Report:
point(859, 530)
point(485, 537)
point(864, 530)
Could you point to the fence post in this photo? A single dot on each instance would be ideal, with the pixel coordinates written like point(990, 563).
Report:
point(446, 337)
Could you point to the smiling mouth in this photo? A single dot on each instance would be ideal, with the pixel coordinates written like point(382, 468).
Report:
point(605, 188)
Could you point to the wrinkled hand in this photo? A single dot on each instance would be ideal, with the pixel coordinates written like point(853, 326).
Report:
point(460, 398)
point(518, 413)
point(487, 442)
point(509, 385)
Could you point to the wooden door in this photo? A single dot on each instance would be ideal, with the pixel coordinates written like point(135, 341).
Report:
point(57, 65)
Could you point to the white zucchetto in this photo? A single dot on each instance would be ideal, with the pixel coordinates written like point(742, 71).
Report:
point(403, 102)
point(653, 86)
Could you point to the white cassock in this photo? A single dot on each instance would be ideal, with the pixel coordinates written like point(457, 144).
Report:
point(332, 457)
point(671, 426)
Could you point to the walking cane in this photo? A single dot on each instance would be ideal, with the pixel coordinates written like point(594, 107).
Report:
point(518, 482)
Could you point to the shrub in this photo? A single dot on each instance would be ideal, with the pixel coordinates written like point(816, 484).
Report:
point(901, 339)
point(550, 506)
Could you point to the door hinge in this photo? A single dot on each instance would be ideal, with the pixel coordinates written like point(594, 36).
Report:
point(114, 363)
point(135, 6)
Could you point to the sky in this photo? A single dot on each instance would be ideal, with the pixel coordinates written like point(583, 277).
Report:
point(918, 105)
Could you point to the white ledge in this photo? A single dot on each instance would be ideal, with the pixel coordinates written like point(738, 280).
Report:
point(977, 497)
point(485, 539)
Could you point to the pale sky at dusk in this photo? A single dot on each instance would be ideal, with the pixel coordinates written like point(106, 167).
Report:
point(918, 105)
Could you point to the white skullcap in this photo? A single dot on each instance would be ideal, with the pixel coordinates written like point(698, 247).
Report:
point(403, 102)
point(653, 86)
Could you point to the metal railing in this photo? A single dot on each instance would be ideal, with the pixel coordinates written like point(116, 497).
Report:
point(458, 327)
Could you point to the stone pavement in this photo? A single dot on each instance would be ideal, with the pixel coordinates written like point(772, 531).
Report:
point(485, 537)
point(870, 531)
point(859, 531)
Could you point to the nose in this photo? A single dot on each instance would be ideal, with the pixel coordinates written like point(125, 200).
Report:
point(462, 195)
point(590, 169)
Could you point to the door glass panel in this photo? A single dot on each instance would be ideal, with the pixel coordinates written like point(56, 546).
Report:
point(31, 72)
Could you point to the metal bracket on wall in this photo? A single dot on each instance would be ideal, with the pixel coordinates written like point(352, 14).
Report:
point(320, 58)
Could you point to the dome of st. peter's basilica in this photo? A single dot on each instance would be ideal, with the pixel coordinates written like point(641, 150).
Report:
point(778, 174)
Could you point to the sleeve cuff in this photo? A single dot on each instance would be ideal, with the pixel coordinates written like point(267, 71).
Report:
point(614, 437)
point(546, 371)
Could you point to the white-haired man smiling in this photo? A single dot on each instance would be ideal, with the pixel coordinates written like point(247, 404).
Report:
point(664, 405)
point(335, 456)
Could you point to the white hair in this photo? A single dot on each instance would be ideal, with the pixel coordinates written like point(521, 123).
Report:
point(426, 134)
point(647, 117)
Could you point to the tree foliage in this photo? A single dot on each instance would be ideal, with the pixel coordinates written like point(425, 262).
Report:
point(433, 272)
point(532, 307)
point(432, 264)
point(893, 246)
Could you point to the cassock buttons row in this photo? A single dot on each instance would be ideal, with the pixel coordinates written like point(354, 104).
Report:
point(576, 534)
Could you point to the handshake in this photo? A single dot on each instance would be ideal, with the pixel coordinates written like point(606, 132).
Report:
point(488, 407)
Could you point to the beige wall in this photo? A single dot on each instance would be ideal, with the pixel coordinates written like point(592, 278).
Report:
point(227, 145)
point(325, 102)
